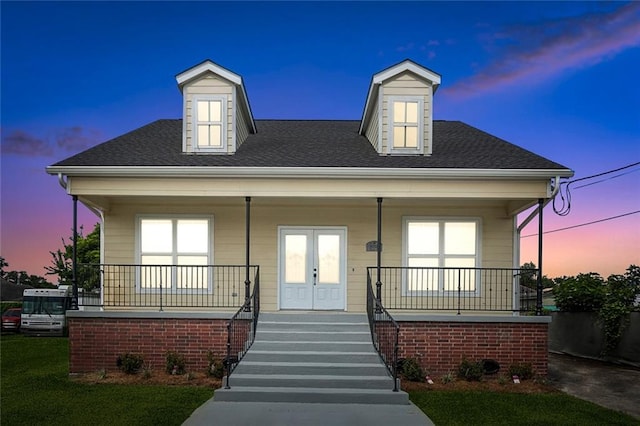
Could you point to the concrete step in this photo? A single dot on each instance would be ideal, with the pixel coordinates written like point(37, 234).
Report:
point(334, 327)
point(311, 356)
point(312, 336)
point(313, 317)
point(320, 346)
point(311, 395)
point(312, 368)
point(317, 381)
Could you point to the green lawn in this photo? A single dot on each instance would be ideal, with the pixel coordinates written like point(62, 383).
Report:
point(498, 408)
point(35, 390)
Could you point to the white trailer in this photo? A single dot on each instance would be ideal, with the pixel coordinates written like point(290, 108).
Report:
point(44, 311)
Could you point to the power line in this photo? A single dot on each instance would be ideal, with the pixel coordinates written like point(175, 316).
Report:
point(584, 224)
point(565, 207)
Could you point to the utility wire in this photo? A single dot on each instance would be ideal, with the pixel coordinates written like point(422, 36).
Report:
point(584, 224)
point(565, 207)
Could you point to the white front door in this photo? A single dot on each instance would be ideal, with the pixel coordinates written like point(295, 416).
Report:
point(312, 268)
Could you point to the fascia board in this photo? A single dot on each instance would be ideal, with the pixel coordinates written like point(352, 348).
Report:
point(308, 172)
point(434, 78)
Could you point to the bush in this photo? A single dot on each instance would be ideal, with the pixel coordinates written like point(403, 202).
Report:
point(216, 366)
point(175, 363)
point(622, 293)
point(130, 363)
point(470, 371)
point(410, 369)
point(523, 370)
point(582, 293)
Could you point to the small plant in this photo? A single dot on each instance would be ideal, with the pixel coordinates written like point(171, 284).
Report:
point(130, 363)
point(470, 371)
point(216, 366)
point(102, 373)
point(175, 363)
point(412, 371)
point(523, 370)
point(146, 371)
point(448, 378)
point(503, 380)
point(190, 376)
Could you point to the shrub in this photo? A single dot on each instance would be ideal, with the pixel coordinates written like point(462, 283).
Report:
point(410, 369)
point(622, 293)
point(175, 363)
point(523, 370)
point(448, 378)
point(216, 366)
point(130, 363)
point(470, 371)
point(582, 293)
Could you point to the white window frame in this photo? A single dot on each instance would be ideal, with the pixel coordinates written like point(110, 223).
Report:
point(441, 256)
point(391, 148)
point(174, 254)
point(223, 123)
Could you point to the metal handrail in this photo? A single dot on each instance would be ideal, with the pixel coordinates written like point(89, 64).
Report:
point(241, 330)
point(384, 332)
point(454, 289)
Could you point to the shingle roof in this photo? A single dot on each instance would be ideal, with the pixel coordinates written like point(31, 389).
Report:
point(302, 143)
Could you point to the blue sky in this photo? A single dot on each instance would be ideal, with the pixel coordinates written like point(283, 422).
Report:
point(557, 78)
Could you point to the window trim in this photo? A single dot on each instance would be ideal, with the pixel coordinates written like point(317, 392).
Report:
point(441, 256)
point(223, 123)
point(391, 149)
point(174, 253)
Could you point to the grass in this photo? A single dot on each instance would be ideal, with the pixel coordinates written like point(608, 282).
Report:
point(36, 390)
point(452, 408)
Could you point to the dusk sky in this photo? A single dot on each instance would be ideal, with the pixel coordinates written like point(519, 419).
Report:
point(559, 79)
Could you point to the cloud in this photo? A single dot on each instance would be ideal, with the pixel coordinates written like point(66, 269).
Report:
point(68, 140)
point(541, 51)
point(19, 142)
point(76, 139)
point(407, 47)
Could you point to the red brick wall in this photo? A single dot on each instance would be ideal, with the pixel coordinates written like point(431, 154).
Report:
point(440, 346)
point(95, 343)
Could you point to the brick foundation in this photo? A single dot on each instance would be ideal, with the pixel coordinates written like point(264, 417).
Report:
point(440, 346)
point(95, 343)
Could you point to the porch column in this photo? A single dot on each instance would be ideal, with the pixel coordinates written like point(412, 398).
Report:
point(247, 281)
point(539, 283)
point(74, 259)
point(379, 253)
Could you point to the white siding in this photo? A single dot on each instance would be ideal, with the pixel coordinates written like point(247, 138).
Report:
point(372, 132)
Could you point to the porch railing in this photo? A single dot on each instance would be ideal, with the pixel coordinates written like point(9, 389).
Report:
point(164, 286)
point(384, 332)
point(241, 330)
point(454, 289)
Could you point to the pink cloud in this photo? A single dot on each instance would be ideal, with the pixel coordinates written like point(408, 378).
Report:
point(537, 52)
point(75, 139)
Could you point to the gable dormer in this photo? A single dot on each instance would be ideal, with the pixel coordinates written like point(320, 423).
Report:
point(398, 113)
point(216, 113)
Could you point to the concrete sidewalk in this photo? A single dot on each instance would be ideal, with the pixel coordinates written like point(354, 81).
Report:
point(284, 414)
point(609, 385)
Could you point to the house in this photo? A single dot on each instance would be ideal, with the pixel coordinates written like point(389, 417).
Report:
point(395, 212)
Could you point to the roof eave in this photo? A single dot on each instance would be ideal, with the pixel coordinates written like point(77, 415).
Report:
point(307, 172)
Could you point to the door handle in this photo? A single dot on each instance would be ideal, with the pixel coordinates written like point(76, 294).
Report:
point(315, 274)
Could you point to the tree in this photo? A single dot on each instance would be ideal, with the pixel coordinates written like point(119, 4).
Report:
point(88, 253)
point(3, 264)
point(529, 276)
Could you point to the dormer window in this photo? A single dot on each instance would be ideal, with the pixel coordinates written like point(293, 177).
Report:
point(209, 126)
point(406, 125)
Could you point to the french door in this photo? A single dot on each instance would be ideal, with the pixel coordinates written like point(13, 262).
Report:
point(312, 268)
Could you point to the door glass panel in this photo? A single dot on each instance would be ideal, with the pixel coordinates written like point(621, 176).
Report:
point(329, 259)
point(295, 258)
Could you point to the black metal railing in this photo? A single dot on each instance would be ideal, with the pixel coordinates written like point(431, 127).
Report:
point(452, 289)
point(384, 332)
point(241, 330)
point(164, 286)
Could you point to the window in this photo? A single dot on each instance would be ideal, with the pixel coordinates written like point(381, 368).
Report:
point(405, 124)
point(209, 123)
point(441, 254)
point(174, 253)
